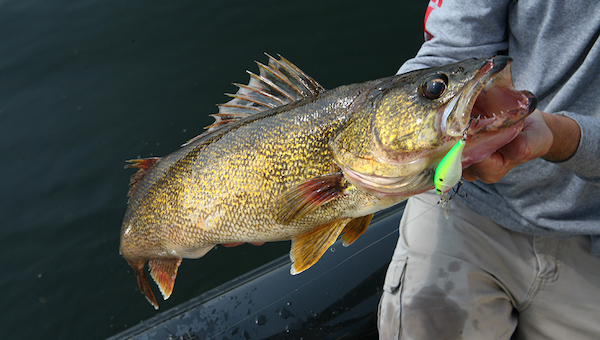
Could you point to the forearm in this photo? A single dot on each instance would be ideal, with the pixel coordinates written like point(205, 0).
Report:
point(577, 144)
point(567, 135)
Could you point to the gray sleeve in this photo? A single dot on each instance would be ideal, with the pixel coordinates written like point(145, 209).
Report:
point(461, 29)
point(585, 162)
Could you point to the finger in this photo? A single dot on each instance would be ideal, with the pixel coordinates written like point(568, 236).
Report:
point(469, 176)
point(489, 170)
point(534, 141)
point(519, 150)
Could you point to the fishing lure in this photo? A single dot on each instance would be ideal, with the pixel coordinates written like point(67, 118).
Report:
point(449, 172)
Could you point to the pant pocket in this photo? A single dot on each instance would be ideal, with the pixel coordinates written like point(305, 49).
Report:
point(394, 275)
point(388, 320)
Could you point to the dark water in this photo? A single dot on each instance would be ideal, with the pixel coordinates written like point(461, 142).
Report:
point(85, 85)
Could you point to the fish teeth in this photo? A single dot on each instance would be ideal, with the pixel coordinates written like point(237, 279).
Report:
point(489, 84)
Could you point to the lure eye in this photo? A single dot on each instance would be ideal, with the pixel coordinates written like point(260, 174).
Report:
point(434, 87)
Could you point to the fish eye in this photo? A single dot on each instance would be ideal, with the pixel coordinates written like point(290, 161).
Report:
point(435, 86)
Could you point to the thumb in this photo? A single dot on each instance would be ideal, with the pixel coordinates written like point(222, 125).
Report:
point(534, 140)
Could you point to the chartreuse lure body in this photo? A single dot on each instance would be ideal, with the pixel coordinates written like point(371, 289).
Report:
point(449, 172)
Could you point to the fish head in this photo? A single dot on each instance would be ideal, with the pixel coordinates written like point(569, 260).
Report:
point(410, 121)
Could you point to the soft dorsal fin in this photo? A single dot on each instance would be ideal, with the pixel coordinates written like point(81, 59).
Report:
point(143, 164)
point(278, 83)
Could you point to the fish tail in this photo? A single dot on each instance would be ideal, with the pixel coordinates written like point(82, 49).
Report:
point(143, 282)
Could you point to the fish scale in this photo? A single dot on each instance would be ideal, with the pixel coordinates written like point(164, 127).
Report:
point(288, 160)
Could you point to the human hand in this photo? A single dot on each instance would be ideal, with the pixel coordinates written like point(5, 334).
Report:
point(535, 140)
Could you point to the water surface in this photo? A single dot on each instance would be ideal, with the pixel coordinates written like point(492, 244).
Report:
point(85, 85)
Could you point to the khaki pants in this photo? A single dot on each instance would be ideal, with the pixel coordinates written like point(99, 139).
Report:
point(468, 278)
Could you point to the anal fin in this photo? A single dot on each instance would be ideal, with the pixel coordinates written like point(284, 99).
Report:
point(308, 248)
point(164, 271)
point(355, 228)
point(309, 195)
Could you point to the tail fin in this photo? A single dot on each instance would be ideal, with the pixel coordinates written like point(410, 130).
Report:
point(143, 283)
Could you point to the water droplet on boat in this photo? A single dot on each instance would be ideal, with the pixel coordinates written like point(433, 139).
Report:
point(260, 320)
point(284, 313)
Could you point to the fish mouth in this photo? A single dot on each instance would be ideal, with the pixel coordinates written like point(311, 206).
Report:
point(487, 108)
point(497, 110)
point(499, 105)
point(489, 103)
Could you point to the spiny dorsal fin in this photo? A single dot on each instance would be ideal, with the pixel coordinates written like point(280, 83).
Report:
point(143, 164)
point(278, 83)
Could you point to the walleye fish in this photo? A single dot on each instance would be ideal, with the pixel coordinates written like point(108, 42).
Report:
point(288, 160)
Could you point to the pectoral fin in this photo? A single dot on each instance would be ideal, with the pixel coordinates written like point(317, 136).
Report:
point(308, 248)
point(164, 271)
point(354, 229)
point(309, 195)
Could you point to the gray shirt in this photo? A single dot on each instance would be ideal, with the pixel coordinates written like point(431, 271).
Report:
point(556, 53)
